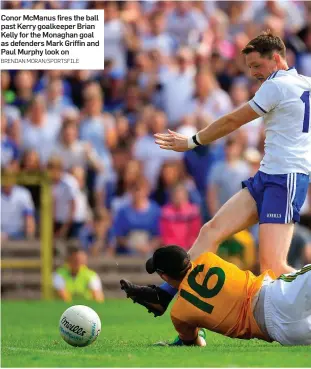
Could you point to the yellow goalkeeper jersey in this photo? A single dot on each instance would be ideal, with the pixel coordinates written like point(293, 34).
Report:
point(218, 296)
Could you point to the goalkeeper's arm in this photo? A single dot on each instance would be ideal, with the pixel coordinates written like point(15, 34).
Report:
point(188, 335)
point(198, 341)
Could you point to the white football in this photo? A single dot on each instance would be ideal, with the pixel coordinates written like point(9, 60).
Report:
point(79, 325)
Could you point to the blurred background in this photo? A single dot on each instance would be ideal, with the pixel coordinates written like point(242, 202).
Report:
point(86, 194)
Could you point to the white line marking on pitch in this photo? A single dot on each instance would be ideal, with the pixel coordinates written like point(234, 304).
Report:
point(49, 351)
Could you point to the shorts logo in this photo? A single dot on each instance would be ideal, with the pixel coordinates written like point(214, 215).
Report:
point(274, 215)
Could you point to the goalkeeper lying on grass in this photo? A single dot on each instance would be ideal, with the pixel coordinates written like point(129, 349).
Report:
point(217, 295)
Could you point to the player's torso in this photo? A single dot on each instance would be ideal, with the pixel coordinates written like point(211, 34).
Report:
point(218, 296)
point(288, 131)
point(77, 286)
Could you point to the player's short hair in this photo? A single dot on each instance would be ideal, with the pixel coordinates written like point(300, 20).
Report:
point(266, 44)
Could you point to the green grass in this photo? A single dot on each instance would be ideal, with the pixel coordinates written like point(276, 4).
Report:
point(30, 338)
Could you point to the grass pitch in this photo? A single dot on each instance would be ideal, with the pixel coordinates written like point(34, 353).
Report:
point(30, 338)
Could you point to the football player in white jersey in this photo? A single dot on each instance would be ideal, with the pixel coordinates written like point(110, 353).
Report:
point(274, 196)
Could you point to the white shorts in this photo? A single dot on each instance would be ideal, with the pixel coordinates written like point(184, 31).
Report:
point(287, 308)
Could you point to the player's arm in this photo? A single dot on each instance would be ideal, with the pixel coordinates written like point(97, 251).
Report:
point(63, 295)
point(59, 285)
point(95, 286)
point(98, 296)
point(188, 335)
point(265, 99)
point(30, 226)
point(219, 128)
point(227, 124)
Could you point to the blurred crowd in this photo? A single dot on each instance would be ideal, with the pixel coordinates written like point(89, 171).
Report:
point(168, 64)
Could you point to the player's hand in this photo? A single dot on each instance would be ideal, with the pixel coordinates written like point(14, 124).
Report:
point(172, 141)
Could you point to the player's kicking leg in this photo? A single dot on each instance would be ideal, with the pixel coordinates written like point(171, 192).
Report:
point(282, 199)
point(275, 257)
point(237, 214)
